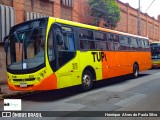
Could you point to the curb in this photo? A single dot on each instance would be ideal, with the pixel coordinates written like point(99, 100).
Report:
point(5, 93)
point(18, 94)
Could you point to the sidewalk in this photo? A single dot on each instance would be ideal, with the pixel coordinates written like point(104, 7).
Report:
point(6, 92)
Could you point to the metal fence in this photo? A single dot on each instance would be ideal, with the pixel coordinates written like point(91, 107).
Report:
point(7, 20)
point(34, 15)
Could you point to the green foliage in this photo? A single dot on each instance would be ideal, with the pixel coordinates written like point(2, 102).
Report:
point(107, 10)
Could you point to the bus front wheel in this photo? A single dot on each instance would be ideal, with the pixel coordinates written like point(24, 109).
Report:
point(87, 80)
point(135, 71)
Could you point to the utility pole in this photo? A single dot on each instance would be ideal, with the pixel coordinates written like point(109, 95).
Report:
point(139, 20)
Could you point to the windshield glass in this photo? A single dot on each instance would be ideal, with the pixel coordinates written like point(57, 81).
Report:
point(26, 45)
point(155, 51)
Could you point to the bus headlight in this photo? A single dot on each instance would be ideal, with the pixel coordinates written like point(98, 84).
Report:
point(41, 76)
point(8, 78)
point(39, 79)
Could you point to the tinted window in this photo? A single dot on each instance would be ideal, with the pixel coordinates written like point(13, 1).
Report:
point(66, 51)
point(124, 43)
point(146, 43)
point(113, 37)
point(140, 43)
point(100, 45)
point(85, 34)
point(133, 41)
point(86, 39)
point(123, 40)
point(100, 36)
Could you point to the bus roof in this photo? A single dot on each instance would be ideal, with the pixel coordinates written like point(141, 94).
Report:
point(83, 26)
point(94, 27)
point(158, 42)
point(154, 44)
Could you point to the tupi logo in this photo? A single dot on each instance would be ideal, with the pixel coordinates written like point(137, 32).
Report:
point(99, 56)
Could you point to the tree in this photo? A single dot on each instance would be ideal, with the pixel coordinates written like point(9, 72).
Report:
point(106, 10)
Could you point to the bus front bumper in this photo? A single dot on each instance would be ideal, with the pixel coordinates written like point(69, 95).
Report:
point(156, 64)
point(48, 83)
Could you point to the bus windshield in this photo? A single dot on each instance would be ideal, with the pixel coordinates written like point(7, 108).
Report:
point(155, 51)
point(26, 45)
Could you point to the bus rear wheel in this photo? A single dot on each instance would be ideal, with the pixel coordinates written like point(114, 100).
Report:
point(87, 80)
point(135, 71)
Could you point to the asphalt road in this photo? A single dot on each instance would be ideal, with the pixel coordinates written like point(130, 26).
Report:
point(116, 94)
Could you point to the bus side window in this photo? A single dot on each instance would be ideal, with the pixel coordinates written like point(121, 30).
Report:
point(101, 41)
point(146, 45)
point(83, 44)
point(86, 40)
point(62, 46)
point(140, 44)
point(133, 43)
point(71, 42)
point(124, 43)
point(68, 42)
point(116, 42)
point(110, 42)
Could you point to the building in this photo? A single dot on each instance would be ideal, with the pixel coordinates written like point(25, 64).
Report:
point(16, 11)
point(150, 27)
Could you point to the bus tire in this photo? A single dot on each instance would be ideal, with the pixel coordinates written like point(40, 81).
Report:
point(87, 80)
point(135, 70)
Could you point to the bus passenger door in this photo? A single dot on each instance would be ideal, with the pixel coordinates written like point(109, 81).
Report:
point(66, 52)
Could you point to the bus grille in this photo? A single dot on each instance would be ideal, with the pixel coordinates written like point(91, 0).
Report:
point(22, 80)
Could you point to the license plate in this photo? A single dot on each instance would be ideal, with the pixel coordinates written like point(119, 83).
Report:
point(23, 85)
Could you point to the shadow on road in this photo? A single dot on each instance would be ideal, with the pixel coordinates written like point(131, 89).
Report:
point(55, 95)
point(115, 80)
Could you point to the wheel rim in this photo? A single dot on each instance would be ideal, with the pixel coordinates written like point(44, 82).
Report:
point(86, 80)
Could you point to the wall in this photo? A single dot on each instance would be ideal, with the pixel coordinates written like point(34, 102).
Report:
point(39, 6)
point(150, 27)
point(3, 76)
point(2, 65)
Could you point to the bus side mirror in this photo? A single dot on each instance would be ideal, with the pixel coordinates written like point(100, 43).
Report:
point(6, 43)
point(59, 38)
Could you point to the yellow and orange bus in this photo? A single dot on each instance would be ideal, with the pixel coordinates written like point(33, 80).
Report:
point(51, 53)
point(155, 51)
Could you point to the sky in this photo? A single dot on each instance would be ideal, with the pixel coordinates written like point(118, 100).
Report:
point(154, 9)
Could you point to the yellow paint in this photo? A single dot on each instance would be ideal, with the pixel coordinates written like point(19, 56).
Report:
point(76, 24)
point(26, 76)
point(86, 59)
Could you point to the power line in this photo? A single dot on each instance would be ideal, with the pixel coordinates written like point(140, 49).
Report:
point(150, 5)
